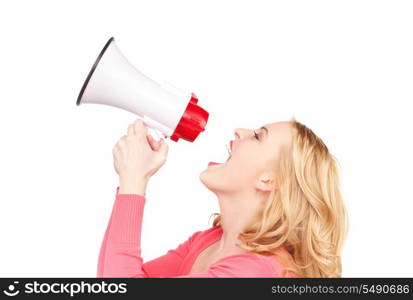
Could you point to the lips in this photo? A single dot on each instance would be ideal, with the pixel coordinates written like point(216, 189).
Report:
point(211, 163)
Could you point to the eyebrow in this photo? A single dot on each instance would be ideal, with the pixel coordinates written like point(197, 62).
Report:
point(265, 128)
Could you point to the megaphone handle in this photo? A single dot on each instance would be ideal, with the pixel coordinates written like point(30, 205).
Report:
point(156, 126)
point(156, 131)
point(158, 134)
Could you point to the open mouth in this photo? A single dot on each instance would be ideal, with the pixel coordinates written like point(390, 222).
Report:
point(229, 149)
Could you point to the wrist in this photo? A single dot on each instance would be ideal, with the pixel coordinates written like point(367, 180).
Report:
point(137, 187)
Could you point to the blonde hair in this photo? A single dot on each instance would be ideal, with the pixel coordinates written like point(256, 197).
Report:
point(305, 214)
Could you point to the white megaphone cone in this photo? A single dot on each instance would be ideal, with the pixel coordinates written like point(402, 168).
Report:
point(114, 81)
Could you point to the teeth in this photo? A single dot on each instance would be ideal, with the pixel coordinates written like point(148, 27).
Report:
point(229, 150)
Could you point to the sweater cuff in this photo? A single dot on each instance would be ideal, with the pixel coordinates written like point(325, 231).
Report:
point(127, 218)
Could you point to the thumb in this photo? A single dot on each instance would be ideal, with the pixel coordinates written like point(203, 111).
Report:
point(163, 148)
point(154, 144)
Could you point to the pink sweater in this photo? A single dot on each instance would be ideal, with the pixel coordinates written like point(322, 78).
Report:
point(120, 252)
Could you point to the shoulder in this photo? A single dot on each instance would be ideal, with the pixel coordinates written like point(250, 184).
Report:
point(206, 233)
point(249, 265)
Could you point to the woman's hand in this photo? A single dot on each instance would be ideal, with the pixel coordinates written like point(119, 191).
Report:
point(137, 156)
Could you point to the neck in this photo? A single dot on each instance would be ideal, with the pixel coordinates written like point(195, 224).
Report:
point(237, 210)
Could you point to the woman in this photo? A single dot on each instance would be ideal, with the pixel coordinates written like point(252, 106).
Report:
point(282, 213)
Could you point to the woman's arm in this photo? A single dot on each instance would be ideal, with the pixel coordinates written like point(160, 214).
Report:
point(120, 252)
point(136, 156)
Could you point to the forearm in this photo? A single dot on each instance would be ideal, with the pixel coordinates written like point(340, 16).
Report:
point(120, 254)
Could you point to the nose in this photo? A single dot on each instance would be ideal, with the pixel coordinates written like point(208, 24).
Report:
point(240, 132)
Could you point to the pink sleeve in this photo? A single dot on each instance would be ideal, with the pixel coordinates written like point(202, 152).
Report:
point(120, 252)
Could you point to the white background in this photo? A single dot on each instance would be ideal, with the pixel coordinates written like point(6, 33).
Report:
point(344, 68)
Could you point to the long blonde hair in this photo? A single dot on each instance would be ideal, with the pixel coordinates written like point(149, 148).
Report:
point(305, 214)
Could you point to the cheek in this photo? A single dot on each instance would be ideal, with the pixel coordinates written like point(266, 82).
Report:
point(248, 162)
point(241, 169)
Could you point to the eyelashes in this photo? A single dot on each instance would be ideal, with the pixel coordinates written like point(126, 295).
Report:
point(256, 135)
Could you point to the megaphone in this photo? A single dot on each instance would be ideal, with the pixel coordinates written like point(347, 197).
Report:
point(114, 81)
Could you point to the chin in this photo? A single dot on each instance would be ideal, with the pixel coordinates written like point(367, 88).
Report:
point(212, 182)
point(203, 178)
point(206, 178)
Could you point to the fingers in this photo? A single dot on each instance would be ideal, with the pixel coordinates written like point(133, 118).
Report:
point(151, 142)
point(140, 128)
point(155, 145)
point(163, 148)
point(122, 141)
point(131, 129)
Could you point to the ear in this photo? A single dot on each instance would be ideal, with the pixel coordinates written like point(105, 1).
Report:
point(265, 183)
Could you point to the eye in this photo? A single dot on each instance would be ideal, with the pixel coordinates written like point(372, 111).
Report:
point(256, 135)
